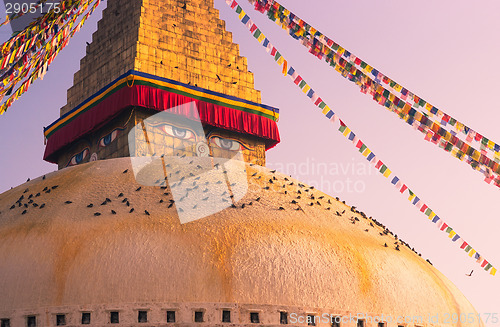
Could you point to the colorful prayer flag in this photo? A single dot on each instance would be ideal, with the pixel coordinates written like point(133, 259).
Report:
point(394, 103)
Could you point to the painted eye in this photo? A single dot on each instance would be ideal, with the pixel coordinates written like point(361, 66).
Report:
point(106, 140)
point(227, 144)
point(177, 132)
point(78, 158)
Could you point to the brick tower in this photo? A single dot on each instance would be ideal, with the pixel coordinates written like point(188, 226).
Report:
point(175, 48)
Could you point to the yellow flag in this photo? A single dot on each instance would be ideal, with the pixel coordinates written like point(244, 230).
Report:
point(398, 87)
point(387, 173)
point(306, 89)
point(472, 252)
point(452, 233)
point(325, 110)
point(261, 38)
point(12, 56)
point(366, 152)
point(493, 271)
point(432, 215)
point(347, 131)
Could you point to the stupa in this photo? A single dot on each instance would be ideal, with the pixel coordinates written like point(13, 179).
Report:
point(90, 244)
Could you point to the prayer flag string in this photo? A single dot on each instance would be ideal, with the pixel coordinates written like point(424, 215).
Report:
point(26, 56)
point(395, 97)
point(362, 148)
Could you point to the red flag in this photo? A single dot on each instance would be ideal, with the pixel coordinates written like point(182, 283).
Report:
point(489, 179)
point(428, 136)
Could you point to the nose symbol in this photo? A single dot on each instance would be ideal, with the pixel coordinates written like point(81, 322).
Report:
point(202, 149)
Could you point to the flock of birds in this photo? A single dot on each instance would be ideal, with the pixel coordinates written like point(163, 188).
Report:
point(302, 196)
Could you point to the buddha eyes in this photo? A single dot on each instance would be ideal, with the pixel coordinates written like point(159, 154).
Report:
point(227, 144)
point(177, 132)
point(78, 158)
point(106, 140)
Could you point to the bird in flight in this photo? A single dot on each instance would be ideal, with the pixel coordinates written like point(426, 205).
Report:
point(470, 273)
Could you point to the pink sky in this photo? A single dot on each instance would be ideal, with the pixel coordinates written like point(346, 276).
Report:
point(444, 51)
